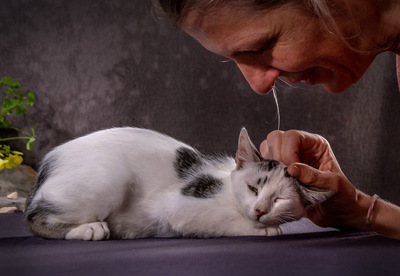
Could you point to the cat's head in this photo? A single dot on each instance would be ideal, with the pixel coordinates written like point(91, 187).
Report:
point(266, 193)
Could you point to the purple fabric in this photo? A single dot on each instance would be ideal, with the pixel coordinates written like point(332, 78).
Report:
point(327, 253)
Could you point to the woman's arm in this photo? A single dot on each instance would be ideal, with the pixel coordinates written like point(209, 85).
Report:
point(385, 219)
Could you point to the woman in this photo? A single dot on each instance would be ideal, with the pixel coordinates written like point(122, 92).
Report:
point(325, 42)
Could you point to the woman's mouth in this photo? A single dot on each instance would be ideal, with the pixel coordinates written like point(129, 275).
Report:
point(310, 78)
point(307, 77)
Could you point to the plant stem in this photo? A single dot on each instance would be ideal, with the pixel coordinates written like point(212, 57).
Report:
point(13, 138)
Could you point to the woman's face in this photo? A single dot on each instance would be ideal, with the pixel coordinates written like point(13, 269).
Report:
point(283, 42)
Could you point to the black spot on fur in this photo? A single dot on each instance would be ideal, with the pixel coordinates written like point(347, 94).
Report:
point(186, 160)
point(261, 182)
point(203, 186)
point(272, 164)
point(286, 173)
point(268, 164)
point(44, 173)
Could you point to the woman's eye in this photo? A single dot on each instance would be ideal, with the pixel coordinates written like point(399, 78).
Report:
point(263, 46)
point(253, 189)
point(267, 45)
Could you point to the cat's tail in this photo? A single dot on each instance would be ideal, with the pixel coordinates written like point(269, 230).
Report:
point(41, 220)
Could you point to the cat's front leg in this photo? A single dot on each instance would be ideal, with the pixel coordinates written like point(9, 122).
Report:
point(94, 231)
point(273, 231)
point(268, 231)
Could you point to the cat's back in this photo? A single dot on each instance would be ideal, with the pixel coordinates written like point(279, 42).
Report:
point(114, 154)
point(122, 138)
point(116, 145)
point(105, 163)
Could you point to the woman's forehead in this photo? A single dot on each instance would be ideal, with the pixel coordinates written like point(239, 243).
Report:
point(214, 29)
point(227, 29)
point(226, 18)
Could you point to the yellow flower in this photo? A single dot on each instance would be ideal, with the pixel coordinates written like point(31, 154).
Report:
point(3, 163)
point(10, 162)
point(13, 161)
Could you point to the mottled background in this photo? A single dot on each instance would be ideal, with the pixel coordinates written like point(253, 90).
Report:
point(95, 64)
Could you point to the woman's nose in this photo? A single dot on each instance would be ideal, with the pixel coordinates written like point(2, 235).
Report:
point(261, 79)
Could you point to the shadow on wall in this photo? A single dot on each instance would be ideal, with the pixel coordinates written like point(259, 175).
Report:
point(109, 63)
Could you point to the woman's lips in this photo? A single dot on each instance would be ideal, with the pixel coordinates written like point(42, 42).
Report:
point(305, 76)
point(310, 78)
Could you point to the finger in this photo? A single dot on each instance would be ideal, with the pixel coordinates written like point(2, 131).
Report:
point(292, 141)
point(274, 142)
point(311, 177)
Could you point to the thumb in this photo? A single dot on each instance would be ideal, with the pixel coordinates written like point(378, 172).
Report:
point(264, 150)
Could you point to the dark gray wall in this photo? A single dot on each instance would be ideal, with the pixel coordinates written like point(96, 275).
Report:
point(97, 63)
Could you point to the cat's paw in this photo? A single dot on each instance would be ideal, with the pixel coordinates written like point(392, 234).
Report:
point(94, 231)
point(273, 231)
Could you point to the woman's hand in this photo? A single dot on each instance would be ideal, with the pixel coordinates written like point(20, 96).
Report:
point(310, 159)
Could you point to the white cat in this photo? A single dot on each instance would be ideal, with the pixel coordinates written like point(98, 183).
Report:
point(133, 183)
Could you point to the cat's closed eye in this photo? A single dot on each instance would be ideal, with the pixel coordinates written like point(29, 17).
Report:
point(253, 189)
point(277, 199)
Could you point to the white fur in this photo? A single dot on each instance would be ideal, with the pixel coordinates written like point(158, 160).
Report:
point(94, 231)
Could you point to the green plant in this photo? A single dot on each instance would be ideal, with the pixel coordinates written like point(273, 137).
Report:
point(14, 103)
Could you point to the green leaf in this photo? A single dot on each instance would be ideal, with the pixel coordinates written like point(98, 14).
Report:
point(29, 143)
point(5, 124)
point(30, 98)
point(15, 152)
point(10, 82)
point(19, 110)
point(8, 103)
point(14, 103)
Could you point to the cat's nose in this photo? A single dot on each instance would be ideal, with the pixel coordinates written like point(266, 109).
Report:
point(259, 214)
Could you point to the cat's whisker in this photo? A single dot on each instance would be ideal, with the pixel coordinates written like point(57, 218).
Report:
point(278, 113)
point(289, 217)
point(280, 80)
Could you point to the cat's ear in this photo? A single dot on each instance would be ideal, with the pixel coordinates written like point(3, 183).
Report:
point(312, 196)
point(246, 152)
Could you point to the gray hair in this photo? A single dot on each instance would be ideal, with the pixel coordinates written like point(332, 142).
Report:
point(176, 10)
